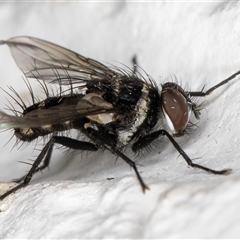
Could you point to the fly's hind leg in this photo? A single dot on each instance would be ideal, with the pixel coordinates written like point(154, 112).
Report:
point(45, 164)
point(47, 150)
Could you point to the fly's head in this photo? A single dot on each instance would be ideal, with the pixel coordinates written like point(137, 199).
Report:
point(177, 107)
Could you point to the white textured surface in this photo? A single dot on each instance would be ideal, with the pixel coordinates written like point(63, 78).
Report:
point(197, 42)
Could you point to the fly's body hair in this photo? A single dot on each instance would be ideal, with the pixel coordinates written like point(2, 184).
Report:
point(113, 108)
point(36, 103)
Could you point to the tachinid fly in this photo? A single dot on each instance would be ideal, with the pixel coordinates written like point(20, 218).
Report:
point(112, 107)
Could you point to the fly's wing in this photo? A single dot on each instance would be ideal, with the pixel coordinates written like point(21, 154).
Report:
point(50, 62)
point(91, 106)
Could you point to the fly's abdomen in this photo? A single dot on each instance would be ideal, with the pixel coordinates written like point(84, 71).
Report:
point(28, 134)
point(48, 116)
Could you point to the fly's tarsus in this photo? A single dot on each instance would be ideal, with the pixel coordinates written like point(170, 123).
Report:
point(111, 106)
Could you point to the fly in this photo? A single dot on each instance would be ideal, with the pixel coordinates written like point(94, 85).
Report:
point(112, 107)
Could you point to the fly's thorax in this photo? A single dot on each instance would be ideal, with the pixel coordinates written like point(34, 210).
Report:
point(135, 104)
point(176, 108)
point(141, 103)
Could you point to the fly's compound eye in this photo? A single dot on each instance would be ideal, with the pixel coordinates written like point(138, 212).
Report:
point(176, 110)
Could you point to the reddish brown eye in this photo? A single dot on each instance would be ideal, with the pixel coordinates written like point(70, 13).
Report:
point(176, 108)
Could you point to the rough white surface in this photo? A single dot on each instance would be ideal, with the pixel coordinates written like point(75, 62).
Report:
point(196, 42)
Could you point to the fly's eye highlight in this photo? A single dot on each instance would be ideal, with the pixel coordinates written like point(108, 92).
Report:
point(176, 109)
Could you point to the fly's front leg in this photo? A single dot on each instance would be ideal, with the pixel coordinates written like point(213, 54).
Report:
point(146, 140)
point(64, 141)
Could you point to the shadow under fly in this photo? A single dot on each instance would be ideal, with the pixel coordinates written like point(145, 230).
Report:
point(112, 107)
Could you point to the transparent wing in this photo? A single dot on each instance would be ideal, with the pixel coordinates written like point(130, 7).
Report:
point(91, 106)
point(36, 57)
